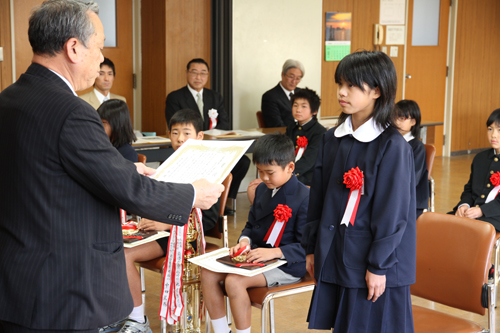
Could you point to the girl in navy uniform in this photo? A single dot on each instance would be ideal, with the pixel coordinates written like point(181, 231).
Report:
point(476, 202)
point(362, 252)
point(408, 123)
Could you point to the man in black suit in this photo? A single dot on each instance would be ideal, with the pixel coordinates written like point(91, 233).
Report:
point(195, 96)
point(276, 106)
point(61, 255)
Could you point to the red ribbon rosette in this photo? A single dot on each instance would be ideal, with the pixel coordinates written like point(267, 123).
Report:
point(281, 215)
point(301, 146)
point(495, 178)
point(302, 142)
point(353, 179)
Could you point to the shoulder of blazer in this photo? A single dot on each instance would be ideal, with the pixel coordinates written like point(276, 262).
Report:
point(115, 96)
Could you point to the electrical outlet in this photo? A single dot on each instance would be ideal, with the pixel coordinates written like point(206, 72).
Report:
point(384, 49)
point(1, 53)
point(394, 51)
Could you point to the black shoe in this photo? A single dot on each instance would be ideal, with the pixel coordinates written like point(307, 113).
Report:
point(228, 211)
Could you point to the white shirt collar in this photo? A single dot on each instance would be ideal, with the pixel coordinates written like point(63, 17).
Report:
point(408, 137)
point(275, 190)
point(65, 80)
point(367, 132)
point(195, 93)
point(100, 96)
point(287, 92)
point(304, 124)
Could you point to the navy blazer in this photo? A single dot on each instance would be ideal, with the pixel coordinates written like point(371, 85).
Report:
point(277, 108)
point(421, 175)
point(479, 186)
point(183, 99)
point(313, 131)
point(383, 237)
point(62, 264)
point(295, 195)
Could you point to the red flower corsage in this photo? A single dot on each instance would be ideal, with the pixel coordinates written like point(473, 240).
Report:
point(301, 141)
point(353, 180)
point(495, 178)
point(281, 215)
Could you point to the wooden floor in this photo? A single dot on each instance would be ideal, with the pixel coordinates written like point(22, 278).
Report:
point(450, 174)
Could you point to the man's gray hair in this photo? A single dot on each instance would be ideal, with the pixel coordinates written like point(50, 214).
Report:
point(53, 23)
point(291, 63)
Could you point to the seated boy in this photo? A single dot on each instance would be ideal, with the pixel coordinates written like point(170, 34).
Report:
point(184, 124)
point(305, 106)
point(274, 158)
point(479, 199)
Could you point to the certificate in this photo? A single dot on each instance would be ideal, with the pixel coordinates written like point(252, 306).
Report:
point(197, 159)
point(209, 261)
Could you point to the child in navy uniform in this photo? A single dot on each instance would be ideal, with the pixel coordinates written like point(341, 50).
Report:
point(408, 123)
point(273, 156)
point(363, 252)
point(305, 106)
point(476, 202)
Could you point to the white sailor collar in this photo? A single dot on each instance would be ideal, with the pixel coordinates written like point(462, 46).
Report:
point(367, 132)
point(408, 137)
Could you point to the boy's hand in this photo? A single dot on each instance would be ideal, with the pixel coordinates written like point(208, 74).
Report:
point(261, 254)
point(375, 284)
point(243, 243)
point(251, 189)
point(310, 266)
point(206, 193)
point(461, 211)
point(144, 170)
point(473, 213)
point(150, 225)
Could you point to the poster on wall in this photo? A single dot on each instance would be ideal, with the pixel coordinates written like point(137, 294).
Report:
point(337, 35)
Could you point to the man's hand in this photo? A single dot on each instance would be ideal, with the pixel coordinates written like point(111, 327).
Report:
point(206, 193)
point(144, 170)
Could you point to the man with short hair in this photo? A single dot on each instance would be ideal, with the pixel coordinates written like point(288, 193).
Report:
point(276, 106)
point(196, 97)
point(62, 266)
point(102, 86)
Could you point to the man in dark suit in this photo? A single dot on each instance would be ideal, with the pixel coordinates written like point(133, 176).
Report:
point(195, 96)
point(276, 106)
point(61, 256)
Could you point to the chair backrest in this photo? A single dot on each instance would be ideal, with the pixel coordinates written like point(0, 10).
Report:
point(141, 158)
point(453, 259)
point(430, 153)
point(260, 120)
point(216, 232)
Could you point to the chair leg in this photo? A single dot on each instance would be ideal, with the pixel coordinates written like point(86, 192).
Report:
point(271, 315)
point(228, 311)
point(163, 325)
point(433, 187)
point(143, 282)
point(491, 308)
point(496, 273)
point(263, 312)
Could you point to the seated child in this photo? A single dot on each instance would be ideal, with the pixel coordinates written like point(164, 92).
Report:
point(115, 117)
point(408, 123)
point(274, 158)
point(184, 124)
point(479, 200)
point(305, 106)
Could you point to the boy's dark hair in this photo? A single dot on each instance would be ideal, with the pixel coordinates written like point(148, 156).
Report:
point(409, 109)
point(187, 116)
point(274, 149)
point(377, 70)
point(108, 63)
point(311, 96)
point(494, 118)
point(116, 112)
point(198, 61)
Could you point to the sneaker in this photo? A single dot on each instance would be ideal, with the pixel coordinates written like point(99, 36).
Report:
point(115, 327)
point(132, 326)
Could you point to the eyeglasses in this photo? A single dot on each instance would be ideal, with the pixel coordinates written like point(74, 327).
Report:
point(195, 74)
point(293, 77)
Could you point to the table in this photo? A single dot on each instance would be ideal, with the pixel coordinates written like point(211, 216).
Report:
point(159, 152)
point(428, 130)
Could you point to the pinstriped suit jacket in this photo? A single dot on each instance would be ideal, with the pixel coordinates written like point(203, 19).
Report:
point(61, 250)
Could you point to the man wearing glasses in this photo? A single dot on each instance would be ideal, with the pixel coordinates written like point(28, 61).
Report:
point(276, 106)
point(196, 97)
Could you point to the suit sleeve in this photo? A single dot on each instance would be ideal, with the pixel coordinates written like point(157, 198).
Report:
point(308, 159)
point(88, 157)
point(222, 118)
point(271, 111)
point(392, 205)
point(294, 252)
point(171, 106)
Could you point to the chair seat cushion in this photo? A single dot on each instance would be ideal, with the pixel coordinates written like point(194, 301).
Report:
point(428, 321)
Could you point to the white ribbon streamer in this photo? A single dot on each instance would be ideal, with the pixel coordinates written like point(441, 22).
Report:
point(493, 193)
point(275, 232)
point(351, 204)
point(300, 152)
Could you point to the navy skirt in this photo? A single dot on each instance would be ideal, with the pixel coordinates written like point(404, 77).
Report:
point(348, 310)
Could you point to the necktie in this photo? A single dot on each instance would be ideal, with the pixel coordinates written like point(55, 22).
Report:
point(199, 102)
point(290, 96)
